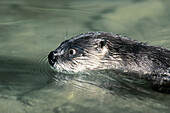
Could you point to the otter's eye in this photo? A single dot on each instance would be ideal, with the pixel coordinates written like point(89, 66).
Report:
point(72, 52)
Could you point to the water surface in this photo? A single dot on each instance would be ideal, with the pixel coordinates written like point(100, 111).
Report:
point(29, 30)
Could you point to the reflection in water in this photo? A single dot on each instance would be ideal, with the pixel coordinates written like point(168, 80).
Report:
point(24, 74)
point(29, 30)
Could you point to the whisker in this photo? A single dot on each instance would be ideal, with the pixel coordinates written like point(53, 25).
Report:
point(66, 34)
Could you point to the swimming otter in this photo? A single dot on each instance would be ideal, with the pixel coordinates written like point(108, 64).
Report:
point(103, 50)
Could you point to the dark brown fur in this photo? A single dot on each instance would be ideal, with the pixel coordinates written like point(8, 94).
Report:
point(129, 56)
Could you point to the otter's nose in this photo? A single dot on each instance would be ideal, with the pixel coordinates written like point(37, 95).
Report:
point(51, 58)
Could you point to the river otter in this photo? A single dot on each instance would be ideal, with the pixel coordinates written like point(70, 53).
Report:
point(103, 50)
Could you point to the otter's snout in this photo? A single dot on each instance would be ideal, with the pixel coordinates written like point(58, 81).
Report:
point(51, 58)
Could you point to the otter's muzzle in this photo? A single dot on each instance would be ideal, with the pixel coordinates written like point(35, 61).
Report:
point(52, 58)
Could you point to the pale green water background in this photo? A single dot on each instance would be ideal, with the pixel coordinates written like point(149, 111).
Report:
point(30, 29)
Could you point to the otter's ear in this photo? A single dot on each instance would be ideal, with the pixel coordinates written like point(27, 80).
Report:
point(102, 43)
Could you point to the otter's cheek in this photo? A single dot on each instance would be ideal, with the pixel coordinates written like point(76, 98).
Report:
point(61, 67)
point(85, 65)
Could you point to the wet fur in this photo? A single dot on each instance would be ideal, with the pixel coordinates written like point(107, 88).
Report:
point(126, 55)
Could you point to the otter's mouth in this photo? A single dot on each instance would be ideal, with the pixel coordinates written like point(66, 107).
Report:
point(51, 58)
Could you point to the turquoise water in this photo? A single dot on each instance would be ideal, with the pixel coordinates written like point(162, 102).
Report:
point(29, 30)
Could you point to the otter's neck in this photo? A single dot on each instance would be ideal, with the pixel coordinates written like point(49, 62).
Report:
point(133, 56)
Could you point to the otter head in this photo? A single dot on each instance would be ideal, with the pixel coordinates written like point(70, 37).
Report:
point(80, 53)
